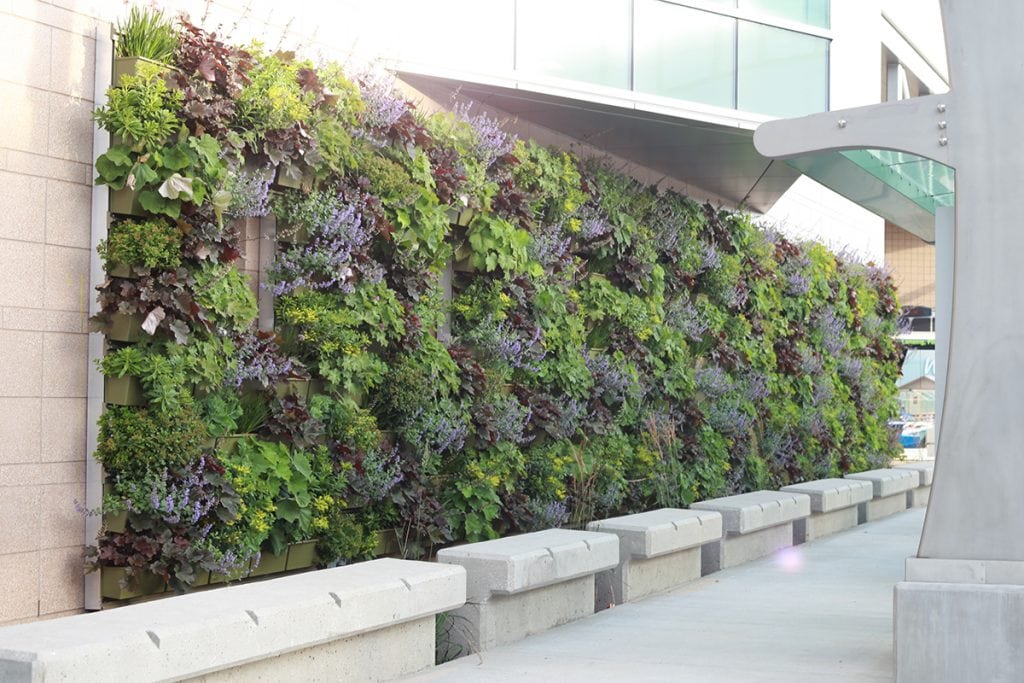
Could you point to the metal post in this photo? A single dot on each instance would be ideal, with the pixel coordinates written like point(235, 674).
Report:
point(94, 387)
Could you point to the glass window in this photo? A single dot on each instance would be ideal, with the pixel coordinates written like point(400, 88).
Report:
point(684, 53)
point(583, 40)
point(781, 73)
point(482, 29)
point(813, 12)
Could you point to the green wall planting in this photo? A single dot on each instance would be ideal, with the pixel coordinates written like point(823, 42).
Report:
point(608, 347)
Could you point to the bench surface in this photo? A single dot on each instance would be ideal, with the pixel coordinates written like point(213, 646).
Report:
point(925, 469)
point(748, 512)
point(889, 482)
point(527, 561)
point(659, 532)
point(189, 635)
point(833, 494)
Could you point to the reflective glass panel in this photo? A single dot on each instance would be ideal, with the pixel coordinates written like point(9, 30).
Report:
point(813, 12)
point(583, 40)
point(684, 53)
point(781, 73)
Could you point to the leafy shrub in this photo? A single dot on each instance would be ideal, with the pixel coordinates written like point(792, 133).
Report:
point(148, 243)
point(137, 442)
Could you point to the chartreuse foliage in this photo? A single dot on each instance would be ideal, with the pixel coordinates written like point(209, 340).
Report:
point(607, 347)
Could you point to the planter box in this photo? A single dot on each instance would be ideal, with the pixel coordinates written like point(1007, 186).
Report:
point(234, 575)
point(123, 391)
point(461, 217)
point(301, 555)
point(299, 387)
point(125, 328)
point(118, 269)
point(144, 584)
point(462, 259)
point(129, 66)
point(115, 521)
point(282, 180)
point(126, 203)
point(387, 543)
point(270, 564)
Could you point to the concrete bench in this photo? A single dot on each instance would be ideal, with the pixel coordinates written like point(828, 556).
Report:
point(834, 506)
point(918, 497)
point(521, 585)
point(658, 550)
point(372, 620)
point(756, 525)
point(889, 491)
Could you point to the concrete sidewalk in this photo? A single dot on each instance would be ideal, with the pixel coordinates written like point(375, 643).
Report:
point(818, 612)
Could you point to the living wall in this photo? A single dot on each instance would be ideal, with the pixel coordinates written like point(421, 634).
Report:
point(608, 347)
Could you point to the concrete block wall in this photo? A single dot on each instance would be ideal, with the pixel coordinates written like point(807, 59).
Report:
point(47, 66)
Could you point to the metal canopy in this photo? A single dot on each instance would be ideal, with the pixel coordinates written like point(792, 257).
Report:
point(708, 149)
point(713, 152)
point(902, 188)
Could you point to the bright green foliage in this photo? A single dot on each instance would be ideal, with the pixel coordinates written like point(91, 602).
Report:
point(148, 243)
point(136, 442)
point(227, 295)
point(274, 97)
point(146, 33)
point(143, 111)
point(187, 171)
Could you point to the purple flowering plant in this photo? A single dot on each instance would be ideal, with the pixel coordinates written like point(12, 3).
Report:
point(261, 361)
point(250, 192)
point(435, 430)
point(174, 526)
point(335, 255)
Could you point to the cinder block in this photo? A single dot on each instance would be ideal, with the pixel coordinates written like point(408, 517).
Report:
point(658, 550)
point(20, 430)
point(821, 524)
point(748, 512)
point(888, 482)
point(21, 363)
point(382, 655)
point(881, 507)
point(756, 525)
point(833, 506)
point(21, 273)
point(520, 563)
point(503, 619)
point(919, 497)
point(639, 578)
point(272, 629)
point(736, 549)
point(926, 470)
point(832, 494)
point(520, 585)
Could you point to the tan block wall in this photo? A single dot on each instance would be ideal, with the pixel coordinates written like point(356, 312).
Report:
point(47, 61)
point(912, 261)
